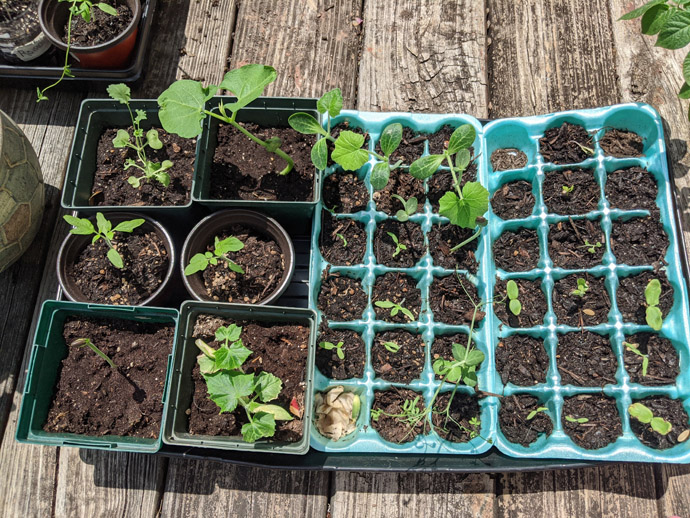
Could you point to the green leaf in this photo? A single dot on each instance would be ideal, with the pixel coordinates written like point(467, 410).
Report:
point(331, 102)
point(273, 144)
point(462, 138)
point(462, 160)
point(206, 364)
point(247, 83)
point(228, 334)
point(470, 379)
point(386, 304)
point(319, 154)
point(152, 139)
point(262, 425)
point(140, 116)
point(676, 32)
point(235, 267)
point(512, 290)
point(636, 13)
point(115, 258)
point(108, 9)
point(208, 351)
point(515, 307)
point(103, 224)
point(640, 412)
point(82, 226)
point(655, 19)
point(231, 357)
point(654, 317)
point(267, 387)
point(652, 292)
point(129, 226)
point(661, 425)
point(402, 216)
point(278, 413)
point(163, 178)
point(391, 138)
point(121, 139)
point(229, 244)
point(424, 167)
point(411, 205)
point(684, 92)
point(226, 388)
point(197, 263)
point(306, 124)
point(380, 175)
point(459, 352)
point(119, 92)
point(348, 151)
point(474, 358)
point(407, 313)
point(182, 107)
point(464, 212)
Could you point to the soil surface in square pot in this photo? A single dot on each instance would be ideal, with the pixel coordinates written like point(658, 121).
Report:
point(442, 181)
point(344, 193)
point(341, 298)
point(102, 28)
point(638, 241)
point(409, 234)
point(442, 347)
point(389, 426)
point(410, 149)
point(633, 188)
point(91, 398)
point(668, 409)
point(110, 186)
point(280, 349)
point(397, 288)
point(513, 200)
point(403, 184)
point(631, 300)
point(402, 366)
point(244, 170)
point(146, 263)
point(517, 251)
point(603, 425)
point(663, 365)
point(342, 242)
point(564, 145)
point(508, 158)
point(576, 310)
point(521, 360)
point(443, 238)
point(328, 362)
point(570, 191)
point(621, 143)
point(576, 244)
point(531, 298)
point(512, 418)
point(585, 359)
point(449, 302)
point(455, 426)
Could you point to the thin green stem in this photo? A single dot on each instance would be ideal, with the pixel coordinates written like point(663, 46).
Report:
point(65, 67)
point(468, 240)
point(456, 183)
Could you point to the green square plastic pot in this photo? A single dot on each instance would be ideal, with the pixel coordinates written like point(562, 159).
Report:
point(182, 387)
point(49, 349)
point(265, 111)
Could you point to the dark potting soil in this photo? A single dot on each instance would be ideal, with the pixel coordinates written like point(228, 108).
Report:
point(102, 28)
point(409, 234)
point(335, 133)
point(621, 144)
point(630, 189)
point(388, 425)
point(669, 409)
point(328, 362)
point(410, 149)
point(455, 426)
point(342, 298)
point(442, 181)
point(344, 193)
point(442, 347)
point(564, 145)
point(403, 184)
point(402, 366)
point(91, 398)
point(261, 259)
point(438, 142)
point(278, 349)
point(590, 309)
point(631, 300)
point(521, 360)
point(398, 288)
point(585, 359)
point(531, 298)
point(449, 302)
point(10, 8)
point(342, 242)
point(442, 239)
point(576, 243)
point(512, 416)
point(513, 200)
point(603, 424)
point(560, 199)
point(638, 241)
point(146, 262)
point(244, 170)
point(517, 251)
point(508, 158)
point(663, 367)
point(110, 186)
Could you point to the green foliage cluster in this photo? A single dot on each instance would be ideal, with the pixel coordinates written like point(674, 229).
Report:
point(329, 346)
point(644, 415)
point(395, 308)
point(221, 249)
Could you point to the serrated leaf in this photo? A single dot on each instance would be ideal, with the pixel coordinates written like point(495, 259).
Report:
point(140, 116)
point(306, 124)
point(391, 138)
point(82, 226)
point(152, 139)
point(232, 357)
point(640, 412)
point(462, 138)
point(331, 102)
point(348, 151)
point(163, 178)
point(267, 387)
point(652, 292)
point(119, 92)
point(229, 333)
point(226, 388)
point(247, 83)
point(464, 212)
point(121, 139)
point(676, 31)
point(182, 107)
point(655, 19)
point(424, 167)
point(636, 13)
point(319, 154)
point(263, 425)
point(380, 174)
point(229, 244)
point(115, 258)
point(103, 224)
point(197, 263)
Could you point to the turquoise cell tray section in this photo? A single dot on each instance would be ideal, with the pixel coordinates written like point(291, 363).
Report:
point(524, 134)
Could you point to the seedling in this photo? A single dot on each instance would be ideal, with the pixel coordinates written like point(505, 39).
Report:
point(199, 262)
point(586, 150)
point(463, 366)
point(229, 387)
point(409, 207)
point(582, 288)
point(329, 346)
point(342, 238)
point(391, 347)
point(644, 415)
point(85, 342)
point(567, 189)
point(645, 357)
point(395, 308)
point(410, 413)
point(151, 170)
point(653, 314)
point(183, 105)
point(577, 420)
point(105, 231)
point(591, 248)
point(534, 413)
point(399, 247)
point(513, 302)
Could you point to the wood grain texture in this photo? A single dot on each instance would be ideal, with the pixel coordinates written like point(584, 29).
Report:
point(378, 495)
point(313, 44)
point(204, 489)
point(672, 490)
point(424, 56)
point(525, 494)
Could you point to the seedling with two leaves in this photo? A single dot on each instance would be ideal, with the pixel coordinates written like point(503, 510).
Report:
point(534, 413)
point(591, 248)
point(644, 415)
point(567, 189)
point(329, 346)
point(392, 347)
point(512, 292)
point(635, 348)
point(653, 314)
point(221, 249)
point(399, 247)
point(576, 420)
point(86, 342)
point(409, 207)
point(395, 308)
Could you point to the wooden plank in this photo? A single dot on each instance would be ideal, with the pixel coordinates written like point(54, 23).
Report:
point(313, 44)
point(203, 488)
point(424, 56)
point(525, 494)
point(672, 490)
point(378, 495)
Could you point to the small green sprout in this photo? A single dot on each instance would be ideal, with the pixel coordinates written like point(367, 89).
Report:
point(653, 314)
point(513, 292)
point(578, 420)
point(582, 288)
point(409, 207)
point(567, 189)
point(586, 150)
point(391, 346)
point(399, 247)
point(476, 425)
point(199, 262)
point(409, 415)
point(463, 366)
point(645, 357)
point(645, 416)
point(591, 248)
point(105, 231)
point(85, 342)
point(534, 413)
point(342, 238)
point(329, 346)
point(395, 308)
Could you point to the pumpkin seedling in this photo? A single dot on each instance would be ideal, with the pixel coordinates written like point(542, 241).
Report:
point(591, 248)
point(534, 413)
point(329, 346)
point(105, 231)
point(463, 366)
point(645, 357)
point(567, 189)
point(86, 342)
point(409, 207)
point(399, 247)
point(395, 308)
point(653, 314)
point(582, 288)
point(513, 302)
point(199, 262)
point(151, 170)
point(578, 420)
point(644, 415)
point(342, 238)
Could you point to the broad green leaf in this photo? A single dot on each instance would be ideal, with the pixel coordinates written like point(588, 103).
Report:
point(515, 307)
point(267, 387)
point(684, 92)
point(306, 124)
point(439, 366)
point(163, 178)
point(380, 175)
point(402, 216)
point(235, 267)
point(391, 138)
point(121, 139)
point(654, 318)
point(82, 226)
point(107, 9)
point(652, 292)
point(348, 151)
point(462, 138)
point(477, 199)
point(229, 244)
point(462, 160)
point(676, 32)
point(247, 83)
point(103, 224)
point(512, 290)
point(140, 116)
point(331, 102)
point(636, 13)
point(655, 19)
point(464, 212)
point(262, 425)
point(197, 263)
point(228, 334)
point(134, 182)
point(470, 379)
point(459, 352)
point(278, 413)
point(386, 304)
point(232, 357)
point(206, 364)
point(640, 412)
point(328, 346)
point(152, 139)
point(119, 92)
point(411, 205)
point(115, 258)
point(182, 107)
point(226, 388)
point(128, 226)
point(661, 425)
point(424, 167)
point(474, 358)
point(319, 154)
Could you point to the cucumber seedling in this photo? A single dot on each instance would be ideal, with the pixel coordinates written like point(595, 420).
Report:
point(409, 207)
point(653, 314)
point(221, 249)
point(645, 416)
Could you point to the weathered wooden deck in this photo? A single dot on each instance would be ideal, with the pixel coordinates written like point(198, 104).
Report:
point(488, 58)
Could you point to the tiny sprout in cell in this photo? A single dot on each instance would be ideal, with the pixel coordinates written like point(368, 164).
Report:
point(534, 413)
point(577, 420)
point(634, 348)
point(399, 247)
point(395, 308)
point(513, 293)
point(582, 288)
point(329, 346)
point(342, 238)
point(567, 189)
point(409, 207)
point(644, 415)
point(591, 248)
point(391, 346)
point(85, 342)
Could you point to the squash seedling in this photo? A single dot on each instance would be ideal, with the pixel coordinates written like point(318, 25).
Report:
point(513, 303)
point(653, 314)
point(105, 231)
point(329, 346)
point(221, 249)
point(395, 308)
point(409, 207)
point(634, 348)
point(645, 416)
point(399, 247)
point(86, 342)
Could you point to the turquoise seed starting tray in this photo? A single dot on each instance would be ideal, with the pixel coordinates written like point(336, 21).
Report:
point(523, 134)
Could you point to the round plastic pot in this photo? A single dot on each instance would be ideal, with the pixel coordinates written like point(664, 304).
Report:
point(208, 228)
point(115, 53)
point(73, 245)
point(22, 39)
